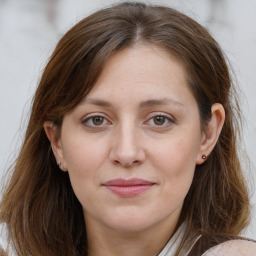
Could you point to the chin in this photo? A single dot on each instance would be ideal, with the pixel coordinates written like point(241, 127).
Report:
point(130, 223)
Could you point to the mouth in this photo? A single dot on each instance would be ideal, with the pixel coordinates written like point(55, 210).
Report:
point(128, 188)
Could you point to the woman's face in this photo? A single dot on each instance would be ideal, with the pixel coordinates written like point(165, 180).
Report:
point(131, 146)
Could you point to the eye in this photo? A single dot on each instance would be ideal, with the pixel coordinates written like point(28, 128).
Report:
point(95, 121)
point(160, 120)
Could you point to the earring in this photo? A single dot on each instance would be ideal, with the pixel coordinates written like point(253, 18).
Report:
point(60, 165)
point(204, 157)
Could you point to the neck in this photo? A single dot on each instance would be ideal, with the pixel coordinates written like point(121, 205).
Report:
point(148, 242)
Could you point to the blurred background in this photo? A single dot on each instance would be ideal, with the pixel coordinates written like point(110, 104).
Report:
point(30, 29)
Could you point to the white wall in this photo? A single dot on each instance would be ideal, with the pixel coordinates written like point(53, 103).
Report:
point(29, 30)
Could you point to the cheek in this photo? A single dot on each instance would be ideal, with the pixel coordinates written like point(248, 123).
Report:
point(178, 152)
point(177, 177)
point(83, 156)
point(176, 158)
point(84, 160)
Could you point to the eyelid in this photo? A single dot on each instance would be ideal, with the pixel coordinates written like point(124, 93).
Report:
point(93, 115)
point(168, 117)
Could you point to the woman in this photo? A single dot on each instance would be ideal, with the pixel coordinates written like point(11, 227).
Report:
point(131, 144)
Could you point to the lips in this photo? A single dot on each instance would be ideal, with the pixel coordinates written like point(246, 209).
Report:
point(128, 188)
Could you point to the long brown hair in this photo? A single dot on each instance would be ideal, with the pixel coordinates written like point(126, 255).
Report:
point(39, 206)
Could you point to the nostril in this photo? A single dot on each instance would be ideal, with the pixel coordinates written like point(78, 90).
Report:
point(126, 164)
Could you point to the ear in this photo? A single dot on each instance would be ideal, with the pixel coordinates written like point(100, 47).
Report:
point(53, 134)
point(212, 131)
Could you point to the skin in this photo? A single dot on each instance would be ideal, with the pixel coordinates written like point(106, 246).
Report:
point(148, 127)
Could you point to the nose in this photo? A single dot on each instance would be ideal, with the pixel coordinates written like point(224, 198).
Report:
point(127, 149)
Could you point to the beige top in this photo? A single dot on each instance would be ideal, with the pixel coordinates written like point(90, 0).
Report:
point(233, 248)
point(229, 248)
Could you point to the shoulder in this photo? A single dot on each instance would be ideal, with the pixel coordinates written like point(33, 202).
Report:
point(233, 248)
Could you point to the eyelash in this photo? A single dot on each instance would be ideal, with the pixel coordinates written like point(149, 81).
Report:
point(90, 119)
point(167, 119)
point(105, 121)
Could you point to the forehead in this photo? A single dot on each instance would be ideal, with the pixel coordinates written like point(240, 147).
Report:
point(141, 68)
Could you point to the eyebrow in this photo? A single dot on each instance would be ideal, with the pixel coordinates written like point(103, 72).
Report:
point(164, 101)
point(144, 104)
point(97, 102)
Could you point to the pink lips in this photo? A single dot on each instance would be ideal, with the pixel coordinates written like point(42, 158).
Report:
point(128, 188)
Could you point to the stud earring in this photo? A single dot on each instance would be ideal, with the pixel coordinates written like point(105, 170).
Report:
point(204, 157)
point(60, 165)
